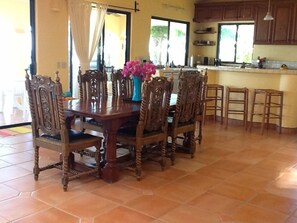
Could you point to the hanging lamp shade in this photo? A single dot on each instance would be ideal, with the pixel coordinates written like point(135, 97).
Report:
point(268, 16)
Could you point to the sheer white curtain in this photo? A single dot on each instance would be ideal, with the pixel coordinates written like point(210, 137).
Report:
point(86, 21)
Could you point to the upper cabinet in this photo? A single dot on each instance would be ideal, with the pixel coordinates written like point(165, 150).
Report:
point(262, 34)
point(294, 26)
point(283, 14)
point(246, 12)
point(230, 11)
point(207, 13)
point(280, 30)
point(238, 12)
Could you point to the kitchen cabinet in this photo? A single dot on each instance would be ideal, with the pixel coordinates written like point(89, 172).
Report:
point(281, 30)
point(281, 26)
point(207, 12)
point(293, 36)
point(231, 11)
point(238, 12)
point(262, 31)
point(246, 12)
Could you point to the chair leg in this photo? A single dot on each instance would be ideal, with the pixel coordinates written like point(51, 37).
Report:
point(253, 110)
point(226, 109)
point(264, 114)
point(163, 153)
point(97, 159)
point(138, 162)
point(36, 169)
point(200, 132)
point(193, 144)
point(173, 149)
point(65, 178)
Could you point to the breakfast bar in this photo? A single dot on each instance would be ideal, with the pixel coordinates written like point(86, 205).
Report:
point(253, 78)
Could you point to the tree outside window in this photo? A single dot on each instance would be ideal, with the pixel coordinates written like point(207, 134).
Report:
point(168, 42)
point(236, 43)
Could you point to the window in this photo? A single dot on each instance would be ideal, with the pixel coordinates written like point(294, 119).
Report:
point(168, 42)
point(236, 43)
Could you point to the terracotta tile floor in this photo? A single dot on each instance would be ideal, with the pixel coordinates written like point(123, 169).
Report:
point(235, 176)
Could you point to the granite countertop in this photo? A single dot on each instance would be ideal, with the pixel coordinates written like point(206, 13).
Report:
point(248, 70)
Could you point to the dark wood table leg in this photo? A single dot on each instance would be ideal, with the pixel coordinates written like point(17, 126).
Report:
point(110, 171)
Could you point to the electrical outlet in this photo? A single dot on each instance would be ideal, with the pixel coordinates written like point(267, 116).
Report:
point(63, 65)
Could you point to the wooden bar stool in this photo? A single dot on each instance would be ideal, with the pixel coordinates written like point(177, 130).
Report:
point(269, 103)
point(236, 103)
point(214, 100)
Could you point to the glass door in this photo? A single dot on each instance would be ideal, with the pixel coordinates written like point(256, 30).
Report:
point(15, 57)
point(113, 47)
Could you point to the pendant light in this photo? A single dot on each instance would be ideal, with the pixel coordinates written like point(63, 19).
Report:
point(268, 16)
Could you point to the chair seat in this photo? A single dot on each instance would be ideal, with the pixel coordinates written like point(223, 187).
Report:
point(130, 131)
point(73, 136)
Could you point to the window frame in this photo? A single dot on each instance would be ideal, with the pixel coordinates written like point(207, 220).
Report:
point(219, 39)
point(187, 36)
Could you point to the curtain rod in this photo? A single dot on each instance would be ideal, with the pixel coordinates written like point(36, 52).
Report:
point(135, 9)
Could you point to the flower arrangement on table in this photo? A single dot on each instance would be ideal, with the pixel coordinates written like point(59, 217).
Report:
point(138, 69)
point(139, 72)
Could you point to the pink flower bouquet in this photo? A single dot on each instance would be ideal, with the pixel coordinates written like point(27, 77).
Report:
point(137, 69)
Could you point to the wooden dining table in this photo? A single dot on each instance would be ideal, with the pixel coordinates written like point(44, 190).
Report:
point(112, 112)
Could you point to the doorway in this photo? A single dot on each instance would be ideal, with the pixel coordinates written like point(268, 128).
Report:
point(113, 49)
point(15, 56)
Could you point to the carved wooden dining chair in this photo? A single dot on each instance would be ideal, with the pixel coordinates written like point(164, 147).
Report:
point(49, 129)
point(183, 122)
point(152, 125)
point(121, 86)
point(92, 86)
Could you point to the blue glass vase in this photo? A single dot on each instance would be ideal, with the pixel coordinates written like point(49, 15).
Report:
point(137, 84)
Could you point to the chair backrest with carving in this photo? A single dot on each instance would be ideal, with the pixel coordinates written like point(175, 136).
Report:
point(92, 84)
point(188, 98)
point(121, 86)
point(46, 105)
point(155, 103)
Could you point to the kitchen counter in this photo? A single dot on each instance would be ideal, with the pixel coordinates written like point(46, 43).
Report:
point(279, 79)
point(248, 70)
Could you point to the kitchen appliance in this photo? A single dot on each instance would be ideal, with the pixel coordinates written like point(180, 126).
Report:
point(210, 61)
point(217, 62)
point(204, 60)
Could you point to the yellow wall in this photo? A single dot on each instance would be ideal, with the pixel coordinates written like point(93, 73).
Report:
point(52, 40)
point(51, 27)
point(52, 33)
